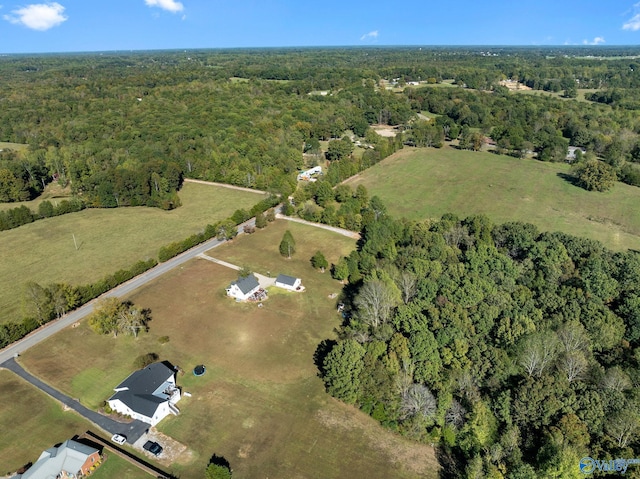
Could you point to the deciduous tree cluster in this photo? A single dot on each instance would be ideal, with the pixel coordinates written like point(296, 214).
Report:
point(515, 350)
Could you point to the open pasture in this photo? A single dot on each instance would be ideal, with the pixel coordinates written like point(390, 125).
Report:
point(31, 422)
point(560, 94)
point(426, 183)
point(107, 239)
point(260, 404)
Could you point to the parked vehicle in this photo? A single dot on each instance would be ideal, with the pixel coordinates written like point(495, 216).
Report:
point(118, 439)
point(153, 447)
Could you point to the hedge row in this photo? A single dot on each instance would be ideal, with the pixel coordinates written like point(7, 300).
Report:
point(15, 330)
point(22, 215)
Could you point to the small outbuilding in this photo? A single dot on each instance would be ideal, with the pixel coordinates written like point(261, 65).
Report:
point(243, 288)
point(289, 282)
point(308, 175)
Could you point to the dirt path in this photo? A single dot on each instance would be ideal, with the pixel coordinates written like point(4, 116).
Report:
point(264, 281)
point(224, 185)
point(341, 231)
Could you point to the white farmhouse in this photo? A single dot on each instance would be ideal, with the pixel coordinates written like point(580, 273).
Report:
point(243, 288)
point(148, 395)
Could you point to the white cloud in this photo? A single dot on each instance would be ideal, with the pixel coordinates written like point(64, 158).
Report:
point(38, 16)
point(595, 41)
point(373, 34)
point(169, 5)
point(633, 23)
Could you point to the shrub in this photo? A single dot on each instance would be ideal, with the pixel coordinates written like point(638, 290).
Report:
point(144, 360)
point(261, 221)
point(318, 261)
point(595, 175)
point(163, 339)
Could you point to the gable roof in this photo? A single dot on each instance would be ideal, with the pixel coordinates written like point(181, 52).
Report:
point(247, 283)
point(144, 390)
point(69, 456)
point(284, 279)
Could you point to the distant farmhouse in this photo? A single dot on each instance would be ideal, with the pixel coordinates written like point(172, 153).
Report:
point(571, 153)
point(289, 282)
point(148, 395)
point(243, 288)
point(69, 460)
point(308, 175)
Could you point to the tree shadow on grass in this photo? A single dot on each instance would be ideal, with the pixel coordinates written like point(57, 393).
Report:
point(321, 352)
point(570, 179)
point(219, 461)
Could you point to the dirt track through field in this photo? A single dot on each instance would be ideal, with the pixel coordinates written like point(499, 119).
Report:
point(224, 185)
point(341, 231)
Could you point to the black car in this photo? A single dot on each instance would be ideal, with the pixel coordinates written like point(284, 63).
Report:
point(153, 447)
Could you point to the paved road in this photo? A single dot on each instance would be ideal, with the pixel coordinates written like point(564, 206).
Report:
point(55, 326)
point(132, 431)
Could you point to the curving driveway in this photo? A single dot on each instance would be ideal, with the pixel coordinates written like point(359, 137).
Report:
point(132, 431)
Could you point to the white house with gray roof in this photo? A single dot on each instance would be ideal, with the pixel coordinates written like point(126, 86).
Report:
point(149, 394)
point(288, 282)
point(69, 460)
point(243, 288)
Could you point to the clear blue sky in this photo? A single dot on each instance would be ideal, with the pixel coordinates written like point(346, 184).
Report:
point(34, 26)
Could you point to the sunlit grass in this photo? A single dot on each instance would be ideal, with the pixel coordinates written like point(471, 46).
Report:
point(107, 240)
point(426, 183)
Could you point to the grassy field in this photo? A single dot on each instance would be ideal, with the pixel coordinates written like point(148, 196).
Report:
point(260, 404)
point(31, 422)
point(108, 240)
point(115, 467)
point(560, 94)
point(425, 183)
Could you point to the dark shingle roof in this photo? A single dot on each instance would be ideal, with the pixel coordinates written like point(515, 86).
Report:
point(247, 283)
point(138, 388)
point(284, 279)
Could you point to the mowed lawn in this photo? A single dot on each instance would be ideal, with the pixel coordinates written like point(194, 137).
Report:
point(31, 422)
point(260, 404)
point(114, 467)
point(426, 183)
point(108, 240)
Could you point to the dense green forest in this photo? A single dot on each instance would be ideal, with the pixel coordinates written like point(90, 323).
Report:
point(124, 129)
point(516, 351)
